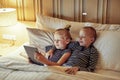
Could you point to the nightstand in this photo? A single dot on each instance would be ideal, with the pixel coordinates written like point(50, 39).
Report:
point(6, 49)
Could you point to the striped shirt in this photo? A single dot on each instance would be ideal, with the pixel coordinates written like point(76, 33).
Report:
point(84, 58)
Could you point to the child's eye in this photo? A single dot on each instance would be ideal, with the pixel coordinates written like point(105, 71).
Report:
point(56, 40)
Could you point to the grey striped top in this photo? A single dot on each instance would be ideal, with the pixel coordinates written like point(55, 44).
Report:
point(84, 58)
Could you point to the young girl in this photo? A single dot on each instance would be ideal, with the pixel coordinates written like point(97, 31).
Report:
point(61, 53)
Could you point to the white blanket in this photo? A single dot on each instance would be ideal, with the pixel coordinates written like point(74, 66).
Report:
point(16, 68)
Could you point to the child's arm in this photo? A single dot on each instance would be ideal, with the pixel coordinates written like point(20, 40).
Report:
point(49, 53)
point(43, 60)
point(91, 66)
point(64, 58)
point(93, 61)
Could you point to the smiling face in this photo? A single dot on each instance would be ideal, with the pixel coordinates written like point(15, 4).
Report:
point(60, 42)
point(61, 39)
point(86, 37)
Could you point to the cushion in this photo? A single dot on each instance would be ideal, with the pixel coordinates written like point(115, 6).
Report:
point(40, 38)
point(108, 27)
point(50, 23)
point(108, 46)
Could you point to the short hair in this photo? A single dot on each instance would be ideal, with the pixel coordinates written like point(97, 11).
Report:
point(64, 32)
point(91, 31)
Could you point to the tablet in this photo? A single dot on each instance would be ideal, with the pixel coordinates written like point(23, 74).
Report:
point(30, 52)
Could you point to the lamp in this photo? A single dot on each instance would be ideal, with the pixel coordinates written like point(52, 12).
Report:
point(8, 16)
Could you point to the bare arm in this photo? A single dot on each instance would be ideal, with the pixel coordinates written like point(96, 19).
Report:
point(49, 53)
point(43, 60)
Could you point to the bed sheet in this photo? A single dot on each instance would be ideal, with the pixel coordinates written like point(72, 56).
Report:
point(16, 67)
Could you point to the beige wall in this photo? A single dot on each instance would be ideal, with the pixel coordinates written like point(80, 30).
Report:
point(18, 30)
point(101, 11)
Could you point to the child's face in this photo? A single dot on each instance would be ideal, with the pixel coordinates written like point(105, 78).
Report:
point(60, 42)
point(85, 38)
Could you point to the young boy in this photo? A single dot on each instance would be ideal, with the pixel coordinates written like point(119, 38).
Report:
point(85, 56)
point(61, 53)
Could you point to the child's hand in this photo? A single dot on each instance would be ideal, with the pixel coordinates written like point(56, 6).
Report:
point(40, 58)
point(30, 61)
point(50, 53)
point(72, 70)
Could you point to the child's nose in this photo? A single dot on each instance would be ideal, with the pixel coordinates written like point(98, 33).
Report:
point(80, 38)
point(56, 41)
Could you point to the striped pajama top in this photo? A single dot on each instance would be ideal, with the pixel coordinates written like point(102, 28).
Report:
point(84, 58)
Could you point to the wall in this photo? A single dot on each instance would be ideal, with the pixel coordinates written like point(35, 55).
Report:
point(18, 30)
point(101, 11)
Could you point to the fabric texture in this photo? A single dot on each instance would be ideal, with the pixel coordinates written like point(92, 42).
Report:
point(15, 69)
point(108, 46)
point(58, 53)
point(84, 58)
point(50, 23)
point(40, 38)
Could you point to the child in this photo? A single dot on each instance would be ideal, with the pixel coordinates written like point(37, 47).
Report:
point(85, 56)
point(61, 53)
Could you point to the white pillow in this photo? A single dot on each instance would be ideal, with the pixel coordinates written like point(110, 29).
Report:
point(108, 44)
point(108, 27)
point(40, 38)
point(50, 23)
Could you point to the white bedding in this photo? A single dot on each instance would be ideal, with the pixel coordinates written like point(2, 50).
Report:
point(16, 67)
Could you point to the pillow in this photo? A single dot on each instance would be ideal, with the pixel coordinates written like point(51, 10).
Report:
point(49, 23)
point(108, 27)
point(108, 44)
point(40, 38)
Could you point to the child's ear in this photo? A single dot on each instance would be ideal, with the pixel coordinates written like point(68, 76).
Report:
point(68, 41)
point(92, 39)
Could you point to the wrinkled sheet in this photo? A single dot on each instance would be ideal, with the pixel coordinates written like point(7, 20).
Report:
point(16, 68)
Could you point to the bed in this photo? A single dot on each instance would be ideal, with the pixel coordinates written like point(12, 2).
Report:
point(15, 66)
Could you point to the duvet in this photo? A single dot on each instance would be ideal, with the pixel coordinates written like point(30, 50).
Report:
point(15, 67)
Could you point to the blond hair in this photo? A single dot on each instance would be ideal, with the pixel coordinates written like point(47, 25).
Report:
point(91, 31)
point(64, 33)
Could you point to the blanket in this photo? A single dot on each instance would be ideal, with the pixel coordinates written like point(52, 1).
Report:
point(14, 68)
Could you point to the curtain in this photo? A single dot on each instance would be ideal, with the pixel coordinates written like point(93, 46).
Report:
point(99, 11)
